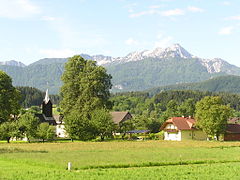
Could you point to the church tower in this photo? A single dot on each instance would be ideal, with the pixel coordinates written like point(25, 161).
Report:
point(47, 106)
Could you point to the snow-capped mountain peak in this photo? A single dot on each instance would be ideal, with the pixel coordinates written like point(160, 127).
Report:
point(12, 63)
point(174, 51)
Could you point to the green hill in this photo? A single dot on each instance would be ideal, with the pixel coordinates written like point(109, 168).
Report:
point(229, 84)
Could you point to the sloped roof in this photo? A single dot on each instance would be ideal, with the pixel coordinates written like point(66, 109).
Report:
point(120, 116)
point(44, 119)
point(182, 123)
point(233, 128)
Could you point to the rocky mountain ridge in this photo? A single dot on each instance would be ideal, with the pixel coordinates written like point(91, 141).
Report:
point(134, 72)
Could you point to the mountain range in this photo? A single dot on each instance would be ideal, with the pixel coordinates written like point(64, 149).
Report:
point(133, 72)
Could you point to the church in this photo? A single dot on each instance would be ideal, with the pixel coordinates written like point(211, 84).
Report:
point(47, 117)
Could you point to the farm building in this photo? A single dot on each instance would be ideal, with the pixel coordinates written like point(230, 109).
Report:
point(120, 117)
point(182, 128)
point(232, 132)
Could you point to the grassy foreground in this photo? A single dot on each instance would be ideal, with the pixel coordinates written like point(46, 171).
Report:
point(120, 160)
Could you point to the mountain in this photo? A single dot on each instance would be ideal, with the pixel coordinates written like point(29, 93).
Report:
point(230, 84)
point(136, 71)
point(12, 63)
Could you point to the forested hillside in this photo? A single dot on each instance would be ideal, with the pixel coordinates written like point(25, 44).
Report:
point(34, 97)
point(141, 75)
point(230, 84)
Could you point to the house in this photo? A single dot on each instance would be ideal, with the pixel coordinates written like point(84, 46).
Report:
point(182, 128)
point(47, 117)
point(232, 132)
point(120, 117)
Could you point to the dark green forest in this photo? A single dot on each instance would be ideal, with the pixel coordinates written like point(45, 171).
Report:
point(33, 97)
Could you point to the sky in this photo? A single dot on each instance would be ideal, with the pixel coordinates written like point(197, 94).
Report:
point(35, 29)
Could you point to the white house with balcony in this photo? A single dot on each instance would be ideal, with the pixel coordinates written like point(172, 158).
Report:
point(182, 128)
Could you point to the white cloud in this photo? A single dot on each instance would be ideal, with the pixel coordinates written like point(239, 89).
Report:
point(48, 18)
point(233, 18)
point(194, 9)
point(155, 7)
point(226, 30)
point(142, 13)
point(152, 11)
point(226, 3)
point(163, 41)
point(17, 9)
point(57, 53)
point(173, 12)
point(131, 41)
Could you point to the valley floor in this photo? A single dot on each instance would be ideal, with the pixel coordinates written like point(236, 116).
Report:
point(120, 160)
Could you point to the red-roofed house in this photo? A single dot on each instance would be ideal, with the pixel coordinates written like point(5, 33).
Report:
point(182, 128)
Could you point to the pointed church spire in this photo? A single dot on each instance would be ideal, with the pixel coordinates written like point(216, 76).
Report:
point(46, 99)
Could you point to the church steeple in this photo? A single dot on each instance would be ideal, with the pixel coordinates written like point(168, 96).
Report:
point(47, 105)
point(46, 99)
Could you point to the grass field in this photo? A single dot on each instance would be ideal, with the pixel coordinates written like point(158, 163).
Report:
point(121, 160)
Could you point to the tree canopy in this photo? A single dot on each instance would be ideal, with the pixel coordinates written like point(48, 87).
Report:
point(85, 88)
point(212, 115)
point(9, 98)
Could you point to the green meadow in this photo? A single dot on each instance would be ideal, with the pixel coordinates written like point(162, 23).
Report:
point(120, 160)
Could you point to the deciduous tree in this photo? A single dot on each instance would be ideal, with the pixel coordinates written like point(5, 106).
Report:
point(103, 123)
point(85, 88)
point(28, 124)
point(212, 115)
point(9, 98)
point(45, 131)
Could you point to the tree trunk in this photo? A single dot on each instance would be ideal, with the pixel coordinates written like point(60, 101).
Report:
point(123, 136)
point(102, 138)
point(8, 140)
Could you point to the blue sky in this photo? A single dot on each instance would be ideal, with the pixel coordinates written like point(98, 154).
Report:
point(35, 29)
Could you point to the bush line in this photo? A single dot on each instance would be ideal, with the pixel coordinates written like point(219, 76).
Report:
point(152, 164)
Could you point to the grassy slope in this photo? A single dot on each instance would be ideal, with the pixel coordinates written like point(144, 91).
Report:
point(49, 160)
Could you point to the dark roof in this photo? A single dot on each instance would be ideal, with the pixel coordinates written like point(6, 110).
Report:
point(44, 119)
point(233, 128)
point(119, 117)
point(138, 131)
point(182, 123)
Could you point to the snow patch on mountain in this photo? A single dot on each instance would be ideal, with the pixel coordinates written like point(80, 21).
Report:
point(213, 65)
point(12, 63)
